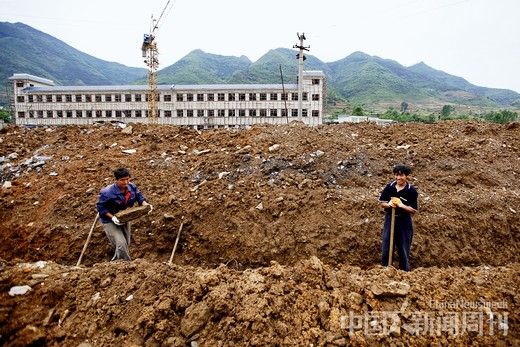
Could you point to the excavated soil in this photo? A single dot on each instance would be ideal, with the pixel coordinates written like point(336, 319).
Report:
point(280, 242)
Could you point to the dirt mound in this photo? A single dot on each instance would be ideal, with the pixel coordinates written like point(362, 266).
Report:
point(152, 304)
point(269, 193)
point(281, 237)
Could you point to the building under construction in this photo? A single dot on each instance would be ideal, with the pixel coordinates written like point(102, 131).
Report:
point(38, 101)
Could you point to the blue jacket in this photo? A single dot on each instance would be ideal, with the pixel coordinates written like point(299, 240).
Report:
point(112, 200)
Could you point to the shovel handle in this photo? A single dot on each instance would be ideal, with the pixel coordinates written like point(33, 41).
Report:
point(88, 239)
point(391, 246)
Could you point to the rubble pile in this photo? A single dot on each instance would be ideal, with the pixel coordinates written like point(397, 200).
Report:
point(281, 236)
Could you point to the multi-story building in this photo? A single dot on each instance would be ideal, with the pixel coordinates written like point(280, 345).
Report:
point(37, 101)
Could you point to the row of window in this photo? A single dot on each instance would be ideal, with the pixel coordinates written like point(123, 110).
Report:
point(167, 113)
point(165, 97)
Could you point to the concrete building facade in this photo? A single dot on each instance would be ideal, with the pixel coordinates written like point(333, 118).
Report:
point(38, 101)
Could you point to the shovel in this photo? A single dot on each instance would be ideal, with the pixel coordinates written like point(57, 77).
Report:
point(88, 239)
point(175, 246)
point(391, 247)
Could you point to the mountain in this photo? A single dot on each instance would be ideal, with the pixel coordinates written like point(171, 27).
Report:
point(199, 67)
point(24, 49)
point(358, 78)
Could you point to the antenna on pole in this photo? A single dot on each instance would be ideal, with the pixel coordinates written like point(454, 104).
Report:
point(301, 57)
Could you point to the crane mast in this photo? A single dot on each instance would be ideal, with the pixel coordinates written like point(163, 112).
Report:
point(151, 55)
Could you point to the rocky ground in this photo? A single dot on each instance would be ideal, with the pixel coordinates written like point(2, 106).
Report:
point(280, 242)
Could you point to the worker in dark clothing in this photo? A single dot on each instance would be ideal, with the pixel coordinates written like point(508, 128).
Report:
point(401, 196)
point(112, 199)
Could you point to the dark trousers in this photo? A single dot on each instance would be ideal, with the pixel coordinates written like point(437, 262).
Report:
point(403, 233)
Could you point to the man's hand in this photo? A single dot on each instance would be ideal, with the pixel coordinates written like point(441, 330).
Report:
point(395, 202)
point(147, 204)
point(116, 221)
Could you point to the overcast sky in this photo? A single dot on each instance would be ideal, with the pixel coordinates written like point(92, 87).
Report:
point(478, 40)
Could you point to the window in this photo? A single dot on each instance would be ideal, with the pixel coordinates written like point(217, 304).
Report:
point(118, 113)
point(200, 113)
point(98, 98)
point(138, 113)
point(294, 112)
point(89, 113)
point(200, 97)
point(263, 96)
point(252, 96)
point(118, 98)
point(68, 98)
point(69, 114)
point(284, 112)
point(39, 98)
point(49, 114)
point(138, 97)
point(21, 114)
point(99, 113)
point(180, 97)
point(294, 96)
point(221, 113)
point(211, 97)
point(189, 113)
point(304, 96)
point(108, 97)
point(315, 81)
point(315, 113)
point(274, 96)
point(31, 114)
point(284, 97)
point(242, 97)
point(128, 97)
point(252, 113)
point(231, 97)
point(79, 113)
point(31, 98)
point(40, 114)
point(20, 98)
point(211, 113)
point(127, 113)
point(59, 114)
point(167, 97)
point(220, 96)
point(242, 113)
point(19, 85)
point(274, 113)
point(189, 97)
point(167, 114)
point(304, 112)
point(263, 112)
point(48, 98)
point(180, 113)
point(88, 98)
point(315, 97)
point(78, 98)
point(231, 113)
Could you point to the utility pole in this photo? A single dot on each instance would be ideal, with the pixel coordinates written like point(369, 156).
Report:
point(301, 58)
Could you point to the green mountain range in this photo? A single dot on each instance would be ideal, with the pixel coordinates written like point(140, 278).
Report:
point(24, 49)
point(358, 78)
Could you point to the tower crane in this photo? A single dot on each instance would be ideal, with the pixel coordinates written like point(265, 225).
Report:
point(151, 55)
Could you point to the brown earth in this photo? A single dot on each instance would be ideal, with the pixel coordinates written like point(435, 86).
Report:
point(281, 234)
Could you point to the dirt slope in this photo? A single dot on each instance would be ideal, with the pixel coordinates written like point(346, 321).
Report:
point(247, 198)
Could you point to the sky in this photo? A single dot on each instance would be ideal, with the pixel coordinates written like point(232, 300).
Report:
point(478, 40)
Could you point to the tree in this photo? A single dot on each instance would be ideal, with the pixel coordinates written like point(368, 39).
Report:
point(404, 106)
point(446, 111)
point(502, 116)
point(358, 111)
point(4, 115)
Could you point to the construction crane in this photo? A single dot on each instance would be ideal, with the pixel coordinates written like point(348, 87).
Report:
point(151, 55)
